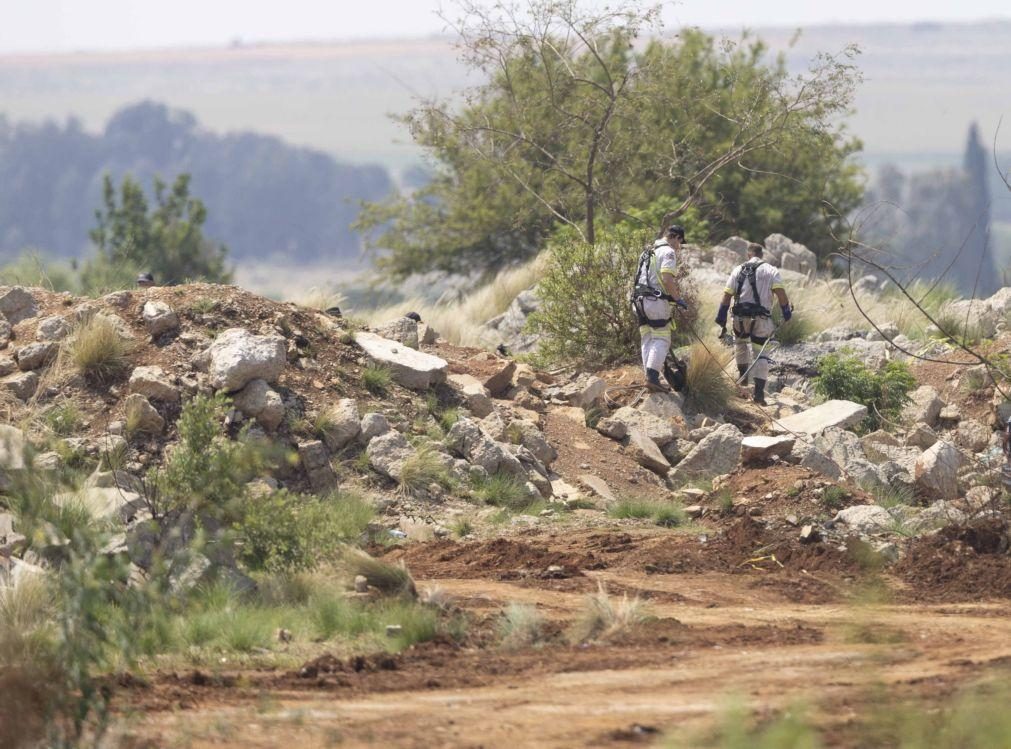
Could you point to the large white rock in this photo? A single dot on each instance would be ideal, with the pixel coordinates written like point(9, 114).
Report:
point(154, 384)
point(645, 452)
point(716, 454)
point(834, 413)
point(924, 407)
point(412, 369)
point(475, 396)
point(141, 416)
point(260, 401)
point(102, 503)
point(388, 452)
point(237, 357)
point(17, 304)
point(758, 447)
point(343, 424)
point(159, 318)
point(658, 429)
point(866, 518)
point(936, 471)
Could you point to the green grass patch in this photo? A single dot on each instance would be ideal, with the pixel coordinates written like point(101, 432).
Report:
point(668, 514)
point(502, 490)
point(376, 378)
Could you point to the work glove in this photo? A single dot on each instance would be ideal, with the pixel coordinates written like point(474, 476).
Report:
point(787, 311)
point(681, 303)
point(721, 315)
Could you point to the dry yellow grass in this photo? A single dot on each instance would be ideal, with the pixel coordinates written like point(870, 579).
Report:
point(97, 350)
point(461, 322)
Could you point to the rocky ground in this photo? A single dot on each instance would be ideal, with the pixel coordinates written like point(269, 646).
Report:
point(789, 518)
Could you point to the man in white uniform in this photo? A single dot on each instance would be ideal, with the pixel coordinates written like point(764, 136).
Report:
point(655, 289)
point(751, 285)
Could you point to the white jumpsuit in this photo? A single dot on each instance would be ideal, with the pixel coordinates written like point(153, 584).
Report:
point(754, 331)
point(656, 341)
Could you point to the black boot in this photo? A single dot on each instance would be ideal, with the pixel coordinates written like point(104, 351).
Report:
point(653, 382)
point(760, 392)
point(742, 369)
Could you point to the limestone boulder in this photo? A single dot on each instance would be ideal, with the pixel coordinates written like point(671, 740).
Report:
point(660, 430)
point(343, 424)
point(833, 413)
point(758, 448)
point(388, 452)
point(924, 407)
point(715, 455)
point(260, 401)
point(866, 518)
point(141, 416)
point(403, 330)
point(36, 355)
point(52, 328)
point(159, 318)
point(582, 392)
point(373, 425)
point(237, 357)
point(22, 385)
point(153, 383)
point(316, 464)
point(475, 396)
point(17, 304)
point(415, 370)
point(972, 435)
point(646, 453)
point(936, 471)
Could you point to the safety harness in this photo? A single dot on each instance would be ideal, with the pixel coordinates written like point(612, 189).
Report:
point(749, 272)
point(641, 292)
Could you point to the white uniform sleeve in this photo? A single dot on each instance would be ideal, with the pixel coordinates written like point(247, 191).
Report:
point(731, 287)
point(668, 263)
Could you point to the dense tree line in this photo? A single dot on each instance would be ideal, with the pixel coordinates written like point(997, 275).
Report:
point(264, 197)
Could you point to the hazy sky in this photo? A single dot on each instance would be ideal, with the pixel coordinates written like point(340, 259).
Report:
point(65, 25)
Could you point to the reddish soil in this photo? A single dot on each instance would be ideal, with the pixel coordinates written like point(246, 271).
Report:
point(586, 451)
point(959, 564)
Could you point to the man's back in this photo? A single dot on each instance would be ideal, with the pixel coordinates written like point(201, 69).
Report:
point(766, 278)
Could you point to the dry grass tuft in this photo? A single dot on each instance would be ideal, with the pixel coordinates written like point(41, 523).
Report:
point(97, 350)
point(460, 323)
point(708, 386)
point(391, 579)
point(521, 626)
point(603, 618)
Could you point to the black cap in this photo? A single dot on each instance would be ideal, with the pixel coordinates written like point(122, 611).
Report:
point(675, 230)
point(145, 277)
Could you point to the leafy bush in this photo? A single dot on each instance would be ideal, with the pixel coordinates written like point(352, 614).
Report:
point(884, 391)
point(97, 350)
point(207, 471)
point(585, 314)
point(288, 531)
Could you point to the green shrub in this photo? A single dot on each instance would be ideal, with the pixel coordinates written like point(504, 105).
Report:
point(333, 614)
point(884, 391)
point(585, 314)
point(207, 471)
point(63, 419)
point(376, 378)
point(834, 497)
point(286, 531)
point(502, 490)
point(667, 514)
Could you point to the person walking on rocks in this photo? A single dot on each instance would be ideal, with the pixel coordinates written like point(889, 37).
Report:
point(654, 291)
point(751, 286)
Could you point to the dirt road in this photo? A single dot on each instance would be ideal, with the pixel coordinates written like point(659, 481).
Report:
point(714, 637)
